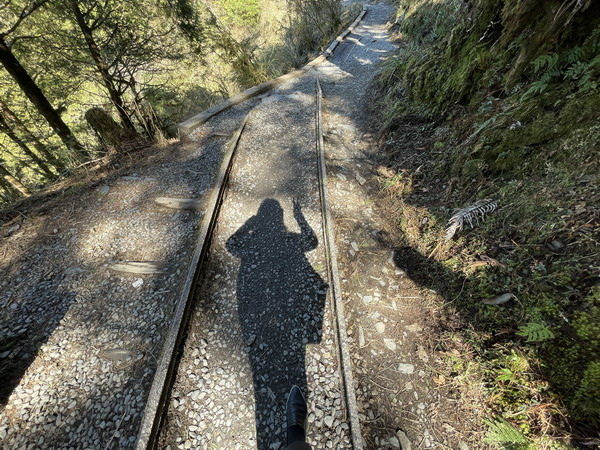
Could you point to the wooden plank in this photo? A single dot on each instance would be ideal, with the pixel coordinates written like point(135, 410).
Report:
point(159, 390)
point(192, 123)
point(179, 203)
point(137, 267)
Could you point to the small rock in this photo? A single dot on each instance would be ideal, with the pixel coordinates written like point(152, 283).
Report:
point(329, 421)
point(394, 442)
point(555, 245)
point(137, 283)
point(406, 368)
point(380, 327)
point(360, 179)
point(103, 190)
point(117, 354)
point(499, 299)
point(354, 246)
point(12, 230)
point(389, 343)
point(404, 442)
point(361, 337)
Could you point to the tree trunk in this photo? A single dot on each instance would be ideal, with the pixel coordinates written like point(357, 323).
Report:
point(102, 67)
point(16, 184)
point(39, 146)
point(9, 192)
point(21, 163)
point(37, 97)
point(5, 128)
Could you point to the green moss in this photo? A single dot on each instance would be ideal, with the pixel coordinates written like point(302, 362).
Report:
point(467, 66)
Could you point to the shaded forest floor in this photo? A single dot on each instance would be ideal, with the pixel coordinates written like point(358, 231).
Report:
point(518, 356)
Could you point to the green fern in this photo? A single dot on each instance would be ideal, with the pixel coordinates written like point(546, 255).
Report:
point(548, 61)
point(578, 63)
point(506, 375)
point(535, 332)
point(505, 436)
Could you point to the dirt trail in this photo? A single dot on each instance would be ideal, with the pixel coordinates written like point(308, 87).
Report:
point(402, 396)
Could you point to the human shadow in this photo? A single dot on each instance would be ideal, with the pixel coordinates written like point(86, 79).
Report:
point(281, 300)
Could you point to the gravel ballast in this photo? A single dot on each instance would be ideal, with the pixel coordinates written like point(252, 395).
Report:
point(263, 320)
point(79, 340)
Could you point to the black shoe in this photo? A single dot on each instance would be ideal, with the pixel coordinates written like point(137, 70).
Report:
point(296, 415)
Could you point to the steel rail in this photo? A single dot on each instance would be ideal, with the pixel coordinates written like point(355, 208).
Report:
point(161, 384)
point(336, 291)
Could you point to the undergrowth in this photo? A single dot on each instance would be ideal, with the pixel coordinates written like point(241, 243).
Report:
point(481, 101)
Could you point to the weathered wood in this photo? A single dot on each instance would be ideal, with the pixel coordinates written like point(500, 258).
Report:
point(221, 134)
point(138, 267)
point(179, 203)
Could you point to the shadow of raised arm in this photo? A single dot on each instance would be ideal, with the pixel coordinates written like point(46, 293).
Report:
point(308, 238)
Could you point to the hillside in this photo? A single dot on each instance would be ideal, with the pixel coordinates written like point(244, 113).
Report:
point(500, 101)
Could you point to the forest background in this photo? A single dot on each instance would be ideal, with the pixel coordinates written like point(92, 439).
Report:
point(80, 77)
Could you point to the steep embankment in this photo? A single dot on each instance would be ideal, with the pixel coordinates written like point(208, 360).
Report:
point(501, 100)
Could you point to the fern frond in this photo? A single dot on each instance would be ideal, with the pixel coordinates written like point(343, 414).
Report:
point(503, 434)
point(535, 332)
point(575, 54)
point(472, 215)
point(575, 70)
point(548, 61)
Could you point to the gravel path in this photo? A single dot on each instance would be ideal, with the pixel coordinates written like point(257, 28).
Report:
point(402, 400)
point(263, 320)
point(79, 341)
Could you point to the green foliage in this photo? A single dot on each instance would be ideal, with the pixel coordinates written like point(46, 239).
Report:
point(535, 332)
point(244, 13)
point(156, 64)
point(578, 64)
point(515, 102)
point(504, 435)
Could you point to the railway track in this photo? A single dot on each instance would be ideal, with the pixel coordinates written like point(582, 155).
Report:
point(144, 301)
point(258, 311)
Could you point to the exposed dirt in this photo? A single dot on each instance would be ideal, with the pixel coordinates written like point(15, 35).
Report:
point(406, 388)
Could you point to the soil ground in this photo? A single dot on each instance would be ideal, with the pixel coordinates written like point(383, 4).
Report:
point(405, 389)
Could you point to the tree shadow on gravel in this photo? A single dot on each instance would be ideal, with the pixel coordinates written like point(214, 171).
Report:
point(281, 301)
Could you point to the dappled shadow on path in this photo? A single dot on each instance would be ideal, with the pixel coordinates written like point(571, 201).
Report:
point(281, 300)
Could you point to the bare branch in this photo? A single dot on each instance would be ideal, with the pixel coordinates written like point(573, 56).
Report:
point(26, 12)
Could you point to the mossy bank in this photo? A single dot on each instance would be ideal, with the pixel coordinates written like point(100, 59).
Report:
point(501, 100)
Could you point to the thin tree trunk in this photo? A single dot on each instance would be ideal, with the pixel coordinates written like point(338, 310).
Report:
point(22, 164)
point(37, 97)
point(102, 67)
point(5, 128)
point(16, 184)
point(39, 146)
point(9, 192)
